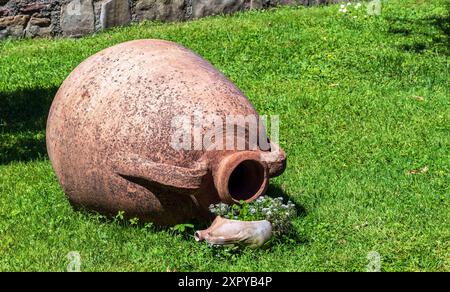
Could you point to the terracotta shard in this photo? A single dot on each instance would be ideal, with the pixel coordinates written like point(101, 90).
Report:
point(110, 135)
point(225, 232)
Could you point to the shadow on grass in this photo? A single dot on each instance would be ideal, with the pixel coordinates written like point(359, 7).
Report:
point(443, 23)
point(412, 29)
point(23, 116)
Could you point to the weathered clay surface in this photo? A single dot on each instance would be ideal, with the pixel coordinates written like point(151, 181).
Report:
point(225, 232)
point(110, 134)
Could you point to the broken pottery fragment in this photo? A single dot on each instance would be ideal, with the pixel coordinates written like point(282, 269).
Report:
point(225, 232)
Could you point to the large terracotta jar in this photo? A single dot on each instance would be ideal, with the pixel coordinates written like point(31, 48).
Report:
point(111, 129)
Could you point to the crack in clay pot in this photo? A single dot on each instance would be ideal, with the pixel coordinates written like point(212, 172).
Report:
point(110, 131)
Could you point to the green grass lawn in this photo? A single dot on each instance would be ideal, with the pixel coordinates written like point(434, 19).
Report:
point(363, 102)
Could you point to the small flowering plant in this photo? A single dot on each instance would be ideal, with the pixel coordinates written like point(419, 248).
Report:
point(273, 210)
point(350, 8)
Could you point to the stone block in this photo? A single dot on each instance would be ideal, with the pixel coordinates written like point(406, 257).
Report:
point(18, 20)
point(34, 7)
point(202, 8)
point(165, 10)
point(39, 27)
point(115, 13)
point(77, 18)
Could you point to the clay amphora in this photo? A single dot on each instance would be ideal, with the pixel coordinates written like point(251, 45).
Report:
point(111, 129)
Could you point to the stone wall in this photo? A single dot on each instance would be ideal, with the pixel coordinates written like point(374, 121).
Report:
point(73, 18)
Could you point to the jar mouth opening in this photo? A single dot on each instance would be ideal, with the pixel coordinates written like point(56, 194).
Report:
point(246, 180)
point(242, 176)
